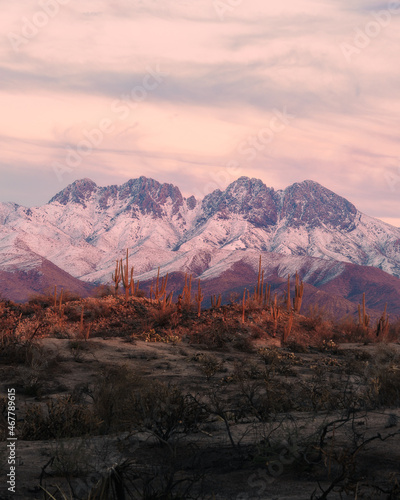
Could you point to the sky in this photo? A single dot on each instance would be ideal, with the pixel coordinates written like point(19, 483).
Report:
point(200, 92)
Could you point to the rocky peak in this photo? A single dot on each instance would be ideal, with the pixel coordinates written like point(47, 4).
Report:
point(245, 196)
point(310, 204)
point(191, 202)
point(150, 196)
point(77, 192)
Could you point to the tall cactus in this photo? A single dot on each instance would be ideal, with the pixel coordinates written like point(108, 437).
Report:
point(267, 295)
point(187, 291)
point(298, 294)
point(363, 319)
point(259, 287)
point(161, 286)
point(215, 301)
point(116, 277)
point(244, 305)
point(275, 313)
point(288, 304)
point(287, 328)
point(382, 327)
point(199, 298)
point(126, 281)
point(134, 289)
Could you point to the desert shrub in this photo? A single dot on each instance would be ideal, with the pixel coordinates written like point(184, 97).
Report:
point(384, 388)
point(9, 319)
point(61, 417)
point(252, 397)
point(166, 337)
point(259, 332)
point(315, 317)
point(263, 399)
point(348, 330)
point(72, 458)
point(327, 345)
point(123, 400)
point(111, 396)
point(294, 345)
point(46, 299)
point(319, 394)
point(394, 332)
point(93, 309)
point(214, 335)
point(129, 479)
point(163, 410)
point(208, 365)
point(278, 361)
point(42, 300)
point(243, 343)
point(14, 350)
point(163, 317)
point(101, 291)
point(382, 376)
point(247, 370)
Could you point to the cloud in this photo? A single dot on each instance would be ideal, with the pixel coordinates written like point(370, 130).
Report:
point(223, 81)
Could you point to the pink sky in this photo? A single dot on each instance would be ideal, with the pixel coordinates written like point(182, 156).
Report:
point(183, 89)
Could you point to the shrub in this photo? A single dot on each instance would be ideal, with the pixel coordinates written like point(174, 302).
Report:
point(62, 417)
point(208, 365)
point(163, 410)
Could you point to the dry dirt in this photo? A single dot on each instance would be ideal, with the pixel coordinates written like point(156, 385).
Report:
point(275, 451)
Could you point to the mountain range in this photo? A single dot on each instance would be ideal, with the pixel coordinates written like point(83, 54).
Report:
point(74, 239)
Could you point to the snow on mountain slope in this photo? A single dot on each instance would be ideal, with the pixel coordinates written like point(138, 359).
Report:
point(84, 228)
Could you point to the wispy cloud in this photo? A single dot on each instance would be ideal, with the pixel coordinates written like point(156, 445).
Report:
point(223, 79)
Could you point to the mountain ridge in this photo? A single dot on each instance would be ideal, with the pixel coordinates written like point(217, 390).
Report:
point(84, 228)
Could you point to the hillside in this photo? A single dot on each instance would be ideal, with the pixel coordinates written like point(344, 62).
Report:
point(306, 227)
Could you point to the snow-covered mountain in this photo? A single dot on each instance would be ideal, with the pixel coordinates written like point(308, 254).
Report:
point(84, 228)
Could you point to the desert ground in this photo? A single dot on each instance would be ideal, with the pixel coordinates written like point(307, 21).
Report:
point(134, 398)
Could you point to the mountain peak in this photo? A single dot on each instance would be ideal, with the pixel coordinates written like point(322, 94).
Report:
point(77, 192)
point(150, 195)
point(311, 204)
point(247, 196)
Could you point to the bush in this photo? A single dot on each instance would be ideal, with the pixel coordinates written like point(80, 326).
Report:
point(163, 410)
point(62, 417)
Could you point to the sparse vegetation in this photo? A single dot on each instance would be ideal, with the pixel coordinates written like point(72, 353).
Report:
point(126, 396)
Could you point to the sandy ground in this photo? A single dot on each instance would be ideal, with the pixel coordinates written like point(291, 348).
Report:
point(282, 468)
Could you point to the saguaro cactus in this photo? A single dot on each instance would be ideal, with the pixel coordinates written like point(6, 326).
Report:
point(160, 286)
point(363, 318)
point(187, 291)
point(382, 327)
point(199, 298)
point(125, 275)
point(287, 328)
point(288, 304)
point(275, 313)
point(267, 295)
point(258, 289)
point(298, 294)
point(116, 277)
point(244, 304)
point(215, 301)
